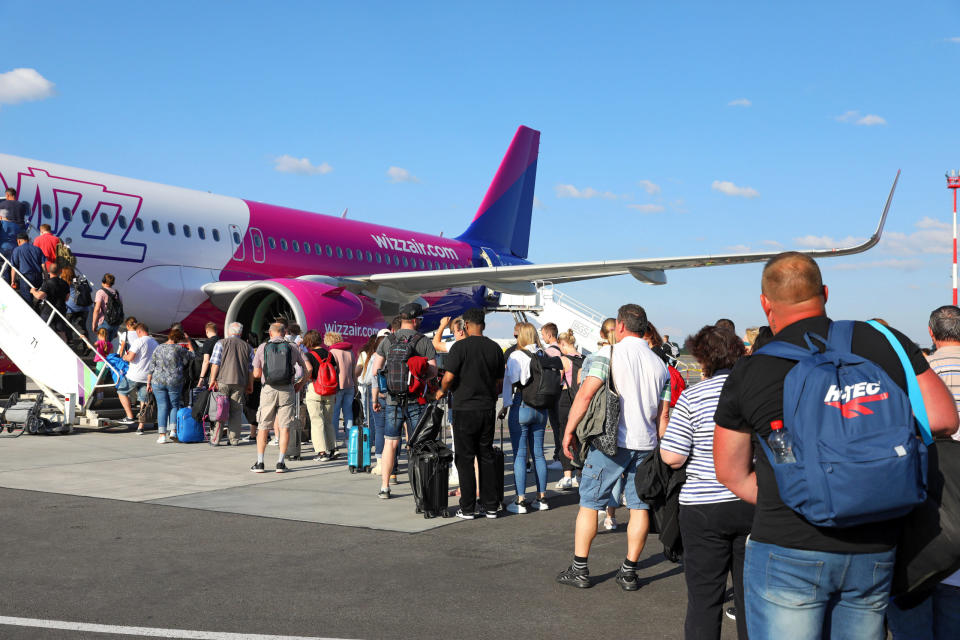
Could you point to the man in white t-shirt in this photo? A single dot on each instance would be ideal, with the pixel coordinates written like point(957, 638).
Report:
point(138, 353)
point(643, 386)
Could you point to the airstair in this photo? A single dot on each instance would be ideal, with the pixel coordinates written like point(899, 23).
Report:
point(69, 385)
point(551, 305)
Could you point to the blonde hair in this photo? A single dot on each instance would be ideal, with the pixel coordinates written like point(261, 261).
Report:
point(331, 338)
point(751, 334)
point(608, 332)
point(567, 337)
point(527, 335)
point(102, 334)
point(457, 325)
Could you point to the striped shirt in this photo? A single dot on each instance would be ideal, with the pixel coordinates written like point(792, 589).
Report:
point(690, 433)
point(945, 362)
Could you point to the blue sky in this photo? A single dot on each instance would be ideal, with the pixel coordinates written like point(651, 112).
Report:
point(683, 128)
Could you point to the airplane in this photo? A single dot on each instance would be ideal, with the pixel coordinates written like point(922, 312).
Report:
point(188, 256)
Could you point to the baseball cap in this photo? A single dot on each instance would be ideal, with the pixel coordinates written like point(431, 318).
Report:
point(411, 311)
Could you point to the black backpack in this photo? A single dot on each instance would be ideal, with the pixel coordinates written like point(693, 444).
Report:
point(82, 292)
point(113, 314)
point(576, 363)
point(545, 384)
point(399, 351)
point(277, 364)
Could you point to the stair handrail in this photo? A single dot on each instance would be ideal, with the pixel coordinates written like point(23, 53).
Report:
point(56, 311)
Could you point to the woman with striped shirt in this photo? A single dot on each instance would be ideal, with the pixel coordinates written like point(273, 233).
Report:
point(714, 523)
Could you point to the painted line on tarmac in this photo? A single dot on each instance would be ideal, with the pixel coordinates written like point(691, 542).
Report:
point(151, 632)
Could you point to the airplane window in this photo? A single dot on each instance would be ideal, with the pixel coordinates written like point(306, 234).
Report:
point(396, 260)
point(86, 216)
point(405, 261)
point(216, 235)
point(236, 238)
point(171, 228)
point(283, 244)
point(155, 226)
point(67, 214)
point(329, 251)
point(349, 253)
point(379, 258)
point(339, 252)
point(186, 230)
point(296, 245)
point(138, 223)
point(201, 233)
point(122, 221)
point(421, 263)
point(316, 249)
point(369, 257)
point(257, 241)
point(306, 248)
point(65, 211)
point(104, 220)
point(47, 213)
point(272, 243)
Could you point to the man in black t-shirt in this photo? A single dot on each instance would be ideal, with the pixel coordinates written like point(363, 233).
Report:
point(55, 291)
point(802, 580)
point(474, 367)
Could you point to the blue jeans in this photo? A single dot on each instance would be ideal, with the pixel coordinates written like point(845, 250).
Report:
point(343, 404)
point(168, 403)
point(393, 421)
point(800, 594)
point(936, 618)
point(375, 420)
point(526, 422)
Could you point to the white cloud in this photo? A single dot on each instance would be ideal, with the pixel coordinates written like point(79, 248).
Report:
point(826, 242)
point(892, 263)
point(302, 166)
point(570, 191)
point(932, 236)
point(399, 174)
point(678, 205)
point(773, 244)
point(21, 85)
point(739, 102)
point(869, 120)
point(728, 188)
point(651, 188)
point(952, 39)
point(646, 208)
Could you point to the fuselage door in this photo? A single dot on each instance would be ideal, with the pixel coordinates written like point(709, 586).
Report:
point(256, 242)
point(236, 242)
point(490, 257)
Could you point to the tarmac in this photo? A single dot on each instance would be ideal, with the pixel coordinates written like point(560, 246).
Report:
point(183, 541)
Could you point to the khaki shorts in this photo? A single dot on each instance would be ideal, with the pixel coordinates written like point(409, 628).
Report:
point(278, 403)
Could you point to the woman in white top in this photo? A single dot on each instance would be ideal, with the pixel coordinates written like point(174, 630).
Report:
point(526, 422)
point(366, 378)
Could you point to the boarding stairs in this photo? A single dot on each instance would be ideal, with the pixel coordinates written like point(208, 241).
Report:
point(549, 304)
point(69, 385)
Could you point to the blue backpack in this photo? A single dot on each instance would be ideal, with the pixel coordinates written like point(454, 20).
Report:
point(188, 429)
point(858, 458)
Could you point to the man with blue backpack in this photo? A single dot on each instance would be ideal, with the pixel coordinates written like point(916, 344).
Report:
point(837, 411)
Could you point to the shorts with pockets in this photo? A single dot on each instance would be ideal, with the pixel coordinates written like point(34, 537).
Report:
point(278, 403)
point(600, 474)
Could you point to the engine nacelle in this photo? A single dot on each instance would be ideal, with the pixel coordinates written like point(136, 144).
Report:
point(312, 305)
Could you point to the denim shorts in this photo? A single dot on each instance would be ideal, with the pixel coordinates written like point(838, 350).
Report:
point(600, 474)
point(127, 387)
point(393, 423)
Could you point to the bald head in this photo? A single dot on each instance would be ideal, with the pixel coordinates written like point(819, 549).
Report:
point(791, 278)
point(276, 329)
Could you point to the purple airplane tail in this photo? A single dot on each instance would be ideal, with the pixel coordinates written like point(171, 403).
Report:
point(502, 222)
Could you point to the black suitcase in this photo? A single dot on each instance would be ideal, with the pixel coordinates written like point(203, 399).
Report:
point(430, 478)
point(498, 469)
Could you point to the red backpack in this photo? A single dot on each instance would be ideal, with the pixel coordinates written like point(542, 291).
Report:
point(327, 381)
point(677, 385)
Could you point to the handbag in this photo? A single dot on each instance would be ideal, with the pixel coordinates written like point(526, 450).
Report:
point(148, 411)
point(606, 442)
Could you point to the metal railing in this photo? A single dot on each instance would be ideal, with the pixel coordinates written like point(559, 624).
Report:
point(548, 291)
point(54, 311)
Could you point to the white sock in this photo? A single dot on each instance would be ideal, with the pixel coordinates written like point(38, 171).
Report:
point(280, 459)
point(259, 458)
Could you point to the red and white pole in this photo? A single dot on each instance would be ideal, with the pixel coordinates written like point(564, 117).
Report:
point(953, 183)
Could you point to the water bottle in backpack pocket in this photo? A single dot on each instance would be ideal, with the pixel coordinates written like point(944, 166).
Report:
point(852, 436)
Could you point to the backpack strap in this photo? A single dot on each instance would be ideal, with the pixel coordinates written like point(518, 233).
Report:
point(781, 349)
point(841, 334)
point(913, 387)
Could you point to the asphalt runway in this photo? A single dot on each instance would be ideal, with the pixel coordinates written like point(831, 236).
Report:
point(137, 563)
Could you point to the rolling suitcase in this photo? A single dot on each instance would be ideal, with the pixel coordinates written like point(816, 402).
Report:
point(430, 478)
point(188, 429)
point(358, 449)
point(498, 469)
point(295, 435)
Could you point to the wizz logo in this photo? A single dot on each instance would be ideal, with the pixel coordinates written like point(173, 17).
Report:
point(852, 398)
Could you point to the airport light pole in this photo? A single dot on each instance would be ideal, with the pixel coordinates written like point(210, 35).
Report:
point(953, 183)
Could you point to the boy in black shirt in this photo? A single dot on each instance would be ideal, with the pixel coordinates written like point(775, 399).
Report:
point(475, 366)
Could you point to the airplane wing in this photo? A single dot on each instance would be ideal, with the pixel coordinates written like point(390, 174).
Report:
point(404, 286)
point(520, 279)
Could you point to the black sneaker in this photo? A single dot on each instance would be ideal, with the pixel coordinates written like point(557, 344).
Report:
point(333, 455)
point(281, 467)
point(257, 467)
point(492, 514)
point(575, 577)
point(384, 494)
point(628, 580)
point(464, 515)
point(126, 421)
point(731, 612)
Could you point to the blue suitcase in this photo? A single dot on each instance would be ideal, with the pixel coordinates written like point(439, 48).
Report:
point(358, 449)
point(188, 429)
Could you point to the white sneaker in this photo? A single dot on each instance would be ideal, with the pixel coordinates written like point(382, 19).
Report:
point(563, 484)
point(162, 439)
point(610, 524)
point(574, 482)
point(275, 442)
point(518, 507)
point(540, 504)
